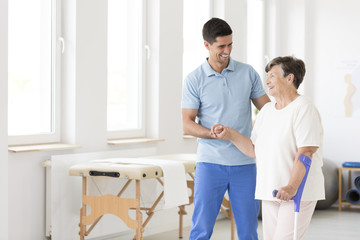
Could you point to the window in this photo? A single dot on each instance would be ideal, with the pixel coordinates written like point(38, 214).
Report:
point(196, 13)
point(255, 35)
point(32, 109)
point(255, 40)
point(125, 108)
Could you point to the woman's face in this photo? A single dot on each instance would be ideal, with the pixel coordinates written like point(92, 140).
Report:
point(275, 81)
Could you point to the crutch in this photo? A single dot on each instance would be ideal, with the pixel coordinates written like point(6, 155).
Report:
point(307, 163)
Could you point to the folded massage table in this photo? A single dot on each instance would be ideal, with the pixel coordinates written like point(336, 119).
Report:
point(109, 204)
point(114, 204)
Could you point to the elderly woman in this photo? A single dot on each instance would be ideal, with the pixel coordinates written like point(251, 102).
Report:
point(284, 129)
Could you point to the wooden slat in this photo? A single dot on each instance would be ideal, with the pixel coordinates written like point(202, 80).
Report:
point(188, 137)
point(133, 141)
point(42, 147)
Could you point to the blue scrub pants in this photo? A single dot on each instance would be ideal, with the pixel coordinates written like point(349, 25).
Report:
point(211, 183)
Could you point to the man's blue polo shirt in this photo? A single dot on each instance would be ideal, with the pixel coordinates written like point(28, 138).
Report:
point(222, 98)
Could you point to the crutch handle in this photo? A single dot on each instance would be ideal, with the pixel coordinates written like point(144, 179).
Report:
point(275, 191)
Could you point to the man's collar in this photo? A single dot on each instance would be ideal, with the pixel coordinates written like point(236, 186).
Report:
point(210, 71)
point(231, 66)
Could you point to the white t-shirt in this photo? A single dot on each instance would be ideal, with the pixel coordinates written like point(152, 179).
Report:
point(277, 135)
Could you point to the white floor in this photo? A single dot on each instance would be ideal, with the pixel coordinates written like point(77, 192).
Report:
point(326, 224)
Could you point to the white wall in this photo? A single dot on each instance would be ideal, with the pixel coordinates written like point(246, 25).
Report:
point(170, 16)
point(91, 74)
point(333, 50)
point(234, 13)
point(3, 122)
point(285, 30)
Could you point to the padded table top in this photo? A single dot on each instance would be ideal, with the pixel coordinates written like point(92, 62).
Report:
point(130, 170)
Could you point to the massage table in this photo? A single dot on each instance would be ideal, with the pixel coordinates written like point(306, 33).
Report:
point(118, 206)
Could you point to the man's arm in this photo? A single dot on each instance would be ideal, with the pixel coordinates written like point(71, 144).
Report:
point(261, 101)
point(190, 127)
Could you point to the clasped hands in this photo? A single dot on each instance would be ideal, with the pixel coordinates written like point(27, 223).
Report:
point(220, 131)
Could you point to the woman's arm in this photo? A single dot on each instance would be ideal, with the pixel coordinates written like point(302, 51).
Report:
point(297, 174)
point(243, 143)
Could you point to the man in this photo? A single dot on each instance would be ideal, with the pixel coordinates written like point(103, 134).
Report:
point(221, 91)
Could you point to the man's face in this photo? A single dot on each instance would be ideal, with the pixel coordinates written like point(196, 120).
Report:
point(220, 50)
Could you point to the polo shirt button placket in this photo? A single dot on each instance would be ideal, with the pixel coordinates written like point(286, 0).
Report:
point(224, 82)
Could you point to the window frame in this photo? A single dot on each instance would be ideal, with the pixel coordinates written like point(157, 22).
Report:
point(144, 56)
point(209, 5)
point(53, 136)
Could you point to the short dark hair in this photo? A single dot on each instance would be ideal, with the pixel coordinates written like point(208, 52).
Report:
point(214, 28)
point(289, 65)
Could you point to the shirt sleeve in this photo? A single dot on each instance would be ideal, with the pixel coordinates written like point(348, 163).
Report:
point(190, 94)
point(308, 128)
point(257, 89)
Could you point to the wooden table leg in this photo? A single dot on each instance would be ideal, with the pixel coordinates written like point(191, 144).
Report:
point(83, 210)
point(232, 223)
point(181, 212)
point(340, 189)
point(139, 229)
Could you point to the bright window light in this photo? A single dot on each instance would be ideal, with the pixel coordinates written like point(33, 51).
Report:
point(255, 35)
point(30, 81)
point(124, 105)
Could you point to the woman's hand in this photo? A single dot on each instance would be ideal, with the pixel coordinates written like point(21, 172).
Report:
point(286, 193)
point(216, 129)
point(221, 132)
